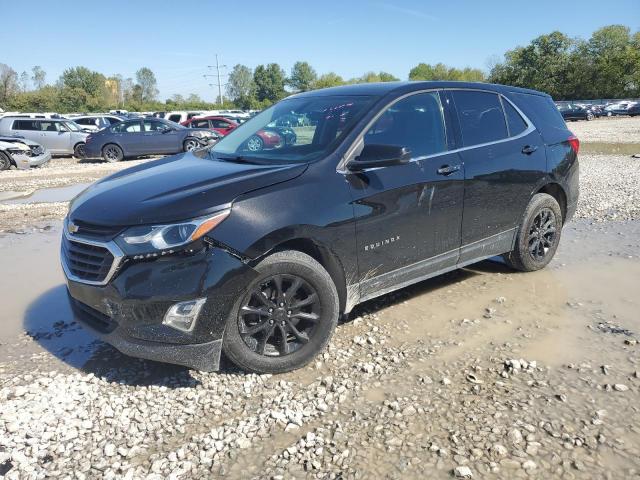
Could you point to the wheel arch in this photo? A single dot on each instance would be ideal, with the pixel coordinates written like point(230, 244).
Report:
point(320, 254)
point(558, 193)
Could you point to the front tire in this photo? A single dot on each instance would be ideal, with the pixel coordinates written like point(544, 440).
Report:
point(79, 151)
point(285, 317)
point(112, 153)
point(538, 236)
point(5, 162)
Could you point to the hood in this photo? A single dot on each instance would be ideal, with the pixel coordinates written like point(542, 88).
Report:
point(172, 189)
point(14, 140)
point(13, 145)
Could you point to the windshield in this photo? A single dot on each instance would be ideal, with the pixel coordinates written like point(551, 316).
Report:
point(73, 126)
point(294, 130)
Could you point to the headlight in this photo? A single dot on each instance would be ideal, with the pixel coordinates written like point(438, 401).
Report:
point(154, 240)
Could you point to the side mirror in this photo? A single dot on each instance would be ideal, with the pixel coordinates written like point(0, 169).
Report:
point(375, 155)
point(167, 130)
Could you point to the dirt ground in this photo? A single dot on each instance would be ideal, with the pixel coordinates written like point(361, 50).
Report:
point(480, 373)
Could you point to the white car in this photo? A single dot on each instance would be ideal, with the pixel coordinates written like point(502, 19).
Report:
point(21, 153)
point(181, 116)
point(96, 122)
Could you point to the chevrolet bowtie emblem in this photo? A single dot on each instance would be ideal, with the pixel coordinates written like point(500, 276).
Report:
point(73, 228)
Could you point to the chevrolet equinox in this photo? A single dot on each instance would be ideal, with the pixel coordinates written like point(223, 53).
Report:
point(257, 252)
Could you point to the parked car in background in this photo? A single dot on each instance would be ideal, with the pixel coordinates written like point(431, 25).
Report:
point(615, 109)
point(181, 116)
point(571, 111)
point(633, 110)
point(220, 124)
point(59, 136)
point(148, 136)
point(35, 153)
point(96, 122)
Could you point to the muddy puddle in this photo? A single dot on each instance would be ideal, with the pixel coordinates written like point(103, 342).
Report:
point(595, 274)
point(45, 195)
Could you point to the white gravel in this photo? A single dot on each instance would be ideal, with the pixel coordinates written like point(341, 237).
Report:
point(608, 130)
point(609, 187)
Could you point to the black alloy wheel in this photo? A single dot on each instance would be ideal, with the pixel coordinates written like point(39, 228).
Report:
point(112, 153)
point(279, 316)
point(284, 317)
point(542, 234)
point(538, 235)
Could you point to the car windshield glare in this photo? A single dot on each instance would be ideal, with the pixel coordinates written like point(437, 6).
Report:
point(295, 130)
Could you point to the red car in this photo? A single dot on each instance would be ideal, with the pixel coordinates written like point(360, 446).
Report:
point(262, 140)
point(220, 124)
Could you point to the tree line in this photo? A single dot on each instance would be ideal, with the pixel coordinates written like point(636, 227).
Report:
point(607, 65)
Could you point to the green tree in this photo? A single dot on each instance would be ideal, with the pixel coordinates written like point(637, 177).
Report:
point(240, 86)
point(372, 77)
point(146, 79)
point(440, 71)
point(38, 77)
point(270, 81)
point(327, 80)
point(81, 78)
point(303, 76)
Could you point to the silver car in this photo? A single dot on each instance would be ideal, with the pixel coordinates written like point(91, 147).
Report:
point(93, 123)
point(59, 136)
point(21, 153)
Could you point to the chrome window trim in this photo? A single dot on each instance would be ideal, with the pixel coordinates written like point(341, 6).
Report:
point(118, 256)
point(350, 151)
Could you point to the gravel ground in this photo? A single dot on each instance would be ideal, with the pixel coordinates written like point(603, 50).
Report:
point(608, 130)
point(481, 373)
point(609, 187)
point(415, 385)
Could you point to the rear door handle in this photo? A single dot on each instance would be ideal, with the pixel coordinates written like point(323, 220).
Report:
point(448, 169)
point(528, 149)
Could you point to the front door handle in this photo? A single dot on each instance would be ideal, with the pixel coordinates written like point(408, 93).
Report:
point(529, 149)
point(448, 169)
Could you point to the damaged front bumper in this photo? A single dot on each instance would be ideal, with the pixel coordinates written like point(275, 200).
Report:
point(128, 312)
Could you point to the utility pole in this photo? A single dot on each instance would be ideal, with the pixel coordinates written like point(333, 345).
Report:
point(217, 66)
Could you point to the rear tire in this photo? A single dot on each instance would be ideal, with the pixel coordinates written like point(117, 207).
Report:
point(112, 153)
point(5, 161)
point(267, 331)
point(538, 235)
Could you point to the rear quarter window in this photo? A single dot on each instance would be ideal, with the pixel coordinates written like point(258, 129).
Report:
point(25, 125)
point(544, 114)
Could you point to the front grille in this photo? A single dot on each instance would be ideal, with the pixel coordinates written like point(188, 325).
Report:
point(86, 262)
point(94, 318)
point(94, 231)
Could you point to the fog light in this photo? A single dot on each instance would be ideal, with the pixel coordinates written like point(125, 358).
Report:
point(183, 315)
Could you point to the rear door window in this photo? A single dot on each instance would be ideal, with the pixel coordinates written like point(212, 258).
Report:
point(480, 116)
point(515, 122)
point(199, 124)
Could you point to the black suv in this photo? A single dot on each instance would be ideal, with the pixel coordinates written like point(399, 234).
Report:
point(257, 253)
